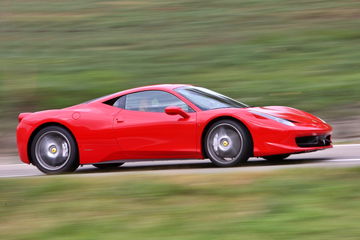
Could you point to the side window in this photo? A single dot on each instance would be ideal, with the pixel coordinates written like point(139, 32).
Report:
point(120, 102)
point(151, 101)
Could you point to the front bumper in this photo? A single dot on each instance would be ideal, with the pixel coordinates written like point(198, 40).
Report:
point(297, 139)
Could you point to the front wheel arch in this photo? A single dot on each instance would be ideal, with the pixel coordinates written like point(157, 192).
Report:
point(209, 124)
point(42, 126)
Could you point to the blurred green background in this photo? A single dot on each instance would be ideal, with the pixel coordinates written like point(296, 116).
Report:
point(304, 54)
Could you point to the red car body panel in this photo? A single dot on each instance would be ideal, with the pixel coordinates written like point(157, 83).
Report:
point(106, 133)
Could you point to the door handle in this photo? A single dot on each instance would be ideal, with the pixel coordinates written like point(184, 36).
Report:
point(118, 120)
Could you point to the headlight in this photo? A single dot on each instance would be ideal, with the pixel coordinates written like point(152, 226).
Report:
point(280, 120)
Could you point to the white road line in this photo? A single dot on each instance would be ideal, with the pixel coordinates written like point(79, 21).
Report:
point(15, 164)
point(346, 145)
point(343, 160)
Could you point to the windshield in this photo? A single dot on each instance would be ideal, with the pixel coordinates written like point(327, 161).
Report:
point(206, 99)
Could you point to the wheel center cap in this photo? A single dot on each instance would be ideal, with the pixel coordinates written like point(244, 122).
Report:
point(53, 149)
point(225, 143)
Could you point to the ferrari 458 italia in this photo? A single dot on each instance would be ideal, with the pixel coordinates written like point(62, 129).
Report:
point(165, 122)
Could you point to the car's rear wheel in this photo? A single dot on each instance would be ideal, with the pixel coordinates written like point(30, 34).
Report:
point(108, 165)
point(54, 150)
point(276, 158)
point(228, 143)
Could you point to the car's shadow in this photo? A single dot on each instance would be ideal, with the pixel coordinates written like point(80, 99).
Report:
point(198, 164)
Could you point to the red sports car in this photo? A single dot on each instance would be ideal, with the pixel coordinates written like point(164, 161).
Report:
point(165, 122)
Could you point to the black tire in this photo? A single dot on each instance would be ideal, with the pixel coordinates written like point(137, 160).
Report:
point(108, 165)
point(228, 143)
point(54, 151)
point(276, 158)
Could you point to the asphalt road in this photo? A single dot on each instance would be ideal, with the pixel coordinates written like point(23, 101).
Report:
point(339, 156)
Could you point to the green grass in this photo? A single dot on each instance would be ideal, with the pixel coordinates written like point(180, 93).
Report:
point(291, 204)
point(303, 54)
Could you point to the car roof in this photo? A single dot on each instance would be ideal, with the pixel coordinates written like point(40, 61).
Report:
point(157, 86)
point(165, 87)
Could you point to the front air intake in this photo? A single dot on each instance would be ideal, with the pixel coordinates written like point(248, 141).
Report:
point(314, 141)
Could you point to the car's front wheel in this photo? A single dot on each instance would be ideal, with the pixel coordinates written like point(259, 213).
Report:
point(228, 143)
point(54, 150)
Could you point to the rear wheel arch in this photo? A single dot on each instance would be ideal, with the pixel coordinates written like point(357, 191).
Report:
point(209, 124)
point(42, 126)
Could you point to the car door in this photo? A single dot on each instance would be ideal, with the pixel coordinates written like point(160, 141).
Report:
point(144, 131)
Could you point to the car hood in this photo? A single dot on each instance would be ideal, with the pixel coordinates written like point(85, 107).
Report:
point(289, 113)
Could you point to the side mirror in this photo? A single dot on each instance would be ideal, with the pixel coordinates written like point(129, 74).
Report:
point(171, 110)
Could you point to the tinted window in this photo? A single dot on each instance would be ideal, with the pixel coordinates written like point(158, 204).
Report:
point(150, 101)
point(206, 99)
point(120, 102)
